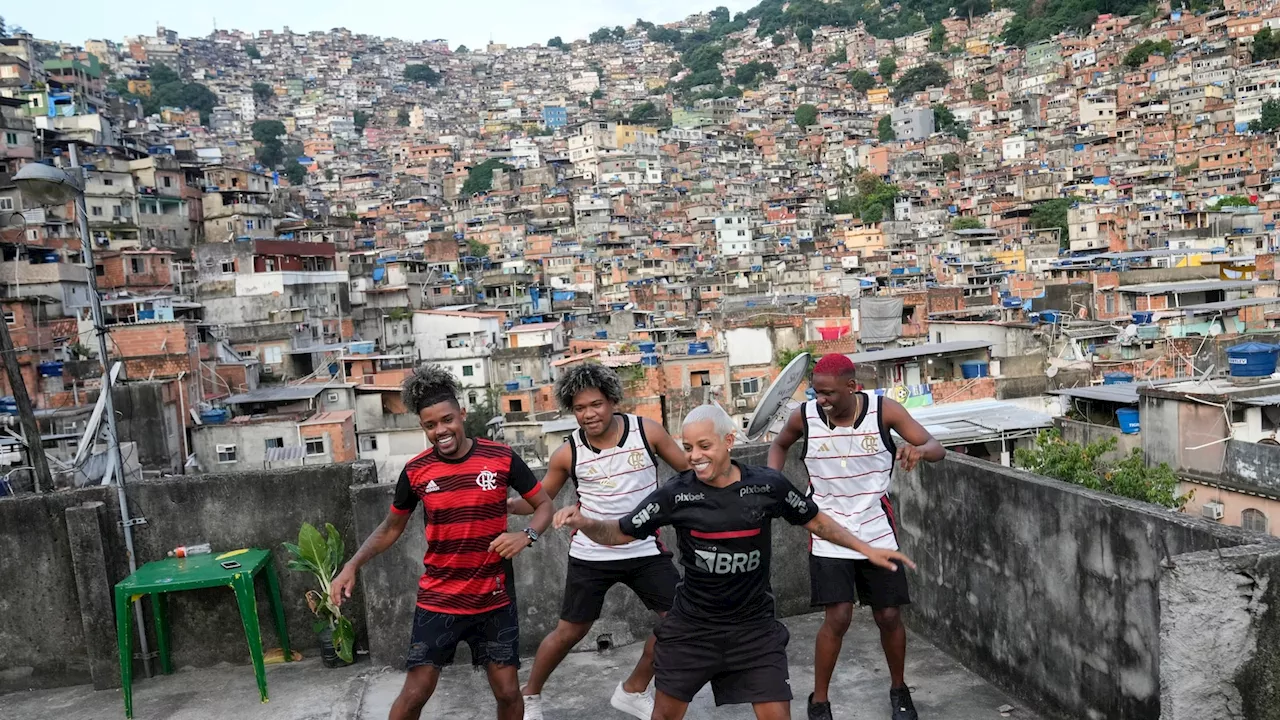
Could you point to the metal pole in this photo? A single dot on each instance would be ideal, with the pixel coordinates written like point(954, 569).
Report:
point(113, 443)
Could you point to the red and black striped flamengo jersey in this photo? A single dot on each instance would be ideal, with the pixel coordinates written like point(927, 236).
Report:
point(465, 502)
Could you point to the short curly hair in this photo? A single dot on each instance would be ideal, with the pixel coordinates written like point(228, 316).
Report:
point(428, 385)
point(588, 376)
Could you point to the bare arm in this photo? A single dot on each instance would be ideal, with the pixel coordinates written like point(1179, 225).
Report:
point(383, 537)
point(605, 532)
point(509, 544)
point(791, 432)
point(557, 474)
point(663, 444)
point(921, 445)
point(824, 527)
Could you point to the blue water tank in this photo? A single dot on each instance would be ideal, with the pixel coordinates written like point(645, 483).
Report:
point(1252, 359)
point(214, 416)
point(1143, 317)
point(1117, 378)
point(1128, 418)
point(1049, 316)
point(50, 369)
point(649, 359)
point(699, 348)
point(647, 347)
point(972, 369)
point(1012, 302)
point(602, 334)
point(512, 385)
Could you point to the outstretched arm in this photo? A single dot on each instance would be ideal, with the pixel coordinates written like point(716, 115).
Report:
point(791, 432)
point(666, 448)
point(920, 445)
point(605, 532)
point(824, 527)
point(557, 474)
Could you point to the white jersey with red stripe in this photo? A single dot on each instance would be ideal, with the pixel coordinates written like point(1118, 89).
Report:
point(850, 469)
point(610, 482)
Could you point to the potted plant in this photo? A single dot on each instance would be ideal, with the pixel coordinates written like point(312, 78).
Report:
point(321, 555)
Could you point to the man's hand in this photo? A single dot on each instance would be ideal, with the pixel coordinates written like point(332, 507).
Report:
point(509, 544)
point(886, 558)
point(909, 456)
point(340, 588)
point(569, 517)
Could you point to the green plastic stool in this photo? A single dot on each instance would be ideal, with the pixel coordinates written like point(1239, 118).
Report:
point(201, 571)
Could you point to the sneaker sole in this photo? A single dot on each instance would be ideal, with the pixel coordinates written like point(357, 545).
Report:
point(633, 712)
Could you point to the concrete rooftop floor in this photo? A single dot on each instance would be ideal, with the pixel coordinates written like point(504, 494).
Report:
point(580, 688)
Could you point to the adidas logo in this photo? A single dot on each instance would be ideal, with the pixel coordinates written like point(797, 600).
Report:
point(824, 448)
point(431, 487)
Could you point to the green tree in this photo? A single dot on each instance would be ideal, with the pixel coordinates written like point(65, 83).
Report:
point(328, 173)
point(252, 52)
point(937, 38)
point(804, 35)
point(262, 92)
point(296, 173)
point(749, 74)
point(619, 32)
point(462, 50)
point(603, 35)
point(950, 162)
point(475, 248)
point(871, 202)
point(967, 223)
point(838, 57)
point(556, 42)
point(1087, 465)
point(887, 67)
point(861, 81)
point(1270, 120)
point(1231, 201)
point(643, 113)
point(784, 357)
point(270, 154)
point(779, 39)
point(477, 421)
point(267, 131)
point(361, 120)
point(480, 178)
point(919, 79)
point(806, 115)
point(162, 74)
point(402, 117)
point(421, 73)
point(884, 129)
point(978, 91)
point(1053, 214)
point(1266, 45)
point(597, 94)
point(1137, 56)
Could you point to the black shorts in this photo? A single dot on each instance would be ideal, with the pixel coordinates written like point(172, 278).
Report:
point(744, 663)
point(494, 637)
point(653, 579)
point(839, 580)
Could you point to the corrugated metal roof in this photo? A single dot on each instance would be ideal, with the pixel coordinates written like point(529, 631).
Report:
point(1191, 286)
point(958, 423)
point(288, 393)
point(918, 350)
point(1126, 393)
point(288, 452)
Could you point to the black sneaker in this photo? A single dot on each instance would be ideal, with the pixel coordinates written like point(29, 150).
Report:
point(819, 711)
point(903, 708)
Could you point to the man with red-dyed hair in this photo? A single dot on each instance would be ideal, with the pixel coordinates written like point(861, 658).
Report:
point(850, 453)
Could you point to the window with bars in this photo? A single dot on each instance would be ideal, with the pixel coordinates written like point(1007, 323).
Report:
point(1254, 520)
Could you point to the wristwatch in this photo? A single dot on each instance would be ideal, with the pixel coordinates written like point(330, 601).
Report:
point(533, 535)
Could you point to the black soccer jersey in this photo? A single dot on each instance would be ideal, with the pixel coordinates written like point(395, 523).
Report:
point(724, 538)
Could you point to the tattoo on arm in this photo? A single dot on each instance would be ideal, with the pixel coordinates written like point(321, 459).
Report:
point(606, 532)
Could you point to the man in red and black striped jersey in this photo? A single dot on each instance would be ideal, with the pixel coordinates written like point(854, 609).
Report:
point(466, 593)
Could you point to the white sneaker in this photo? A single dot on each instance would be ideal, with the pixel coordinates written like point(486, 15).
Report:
point(533, 707)
point(638, 705)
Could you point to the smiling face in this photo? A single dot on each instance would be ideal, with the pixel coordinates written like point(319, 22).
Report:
point(834, 393)
point(443, 423)
point(593, 411)
point(707, 449)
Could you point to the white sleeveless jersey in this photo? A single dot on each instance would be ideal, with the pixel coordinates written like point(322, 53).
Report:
point(610, 483)
point(849, 473)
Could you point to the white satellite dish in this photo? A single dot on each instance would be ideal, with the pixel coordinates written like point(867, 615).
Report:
point(776, 397)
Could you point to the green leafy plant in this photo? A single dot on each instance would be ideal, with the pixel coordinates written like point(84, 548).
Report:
point(1085, 465)
point(321, 555)
point(784, 357)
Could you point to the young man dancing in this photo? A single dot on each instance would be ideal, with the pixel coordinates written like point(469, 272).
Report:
point(850, 453)
point(722, 628)
point(465, 593)
point(612, 461)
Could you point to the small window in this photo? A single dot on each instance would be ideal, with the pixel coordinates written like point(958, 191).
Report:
point(248, 224)
point(468, 370)
point(272, 355)
point(115, 211)
point(227, 267)
point(368, 442)
point(108, 181)
point(226, 453)
point(6, 203)
point(95, 211)
point(472, 398)
point(517, 405)
point(274, 442)
point(168, 181)
point(10, 138)
point(750, 386)
point(99, 270)
point(1254, 520)
point(315, 446)
point(9, 318)
point(137, 265)
point(331, 397)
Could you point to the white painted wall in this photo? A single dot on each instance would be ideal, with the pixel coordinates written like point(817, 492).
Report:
point(748, 346)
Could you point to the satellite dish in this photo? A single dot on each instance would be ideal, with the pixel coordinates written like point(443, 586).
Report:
point(786, 384)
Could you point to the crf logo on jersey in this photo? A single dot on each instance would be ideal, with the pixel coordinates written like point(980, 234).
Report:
point(726, 563)
point(871, 443)
point(645, 513)
point(487, 480)
point(636, 459)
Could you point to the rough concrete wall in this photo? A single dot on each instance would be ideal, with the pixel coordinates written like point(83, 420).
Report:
point(1253, 464)
point(1045, 587)
point(1085, 433)
point(40, 628)
point(1160, 420)
point(1220, 635)
point(144, 418)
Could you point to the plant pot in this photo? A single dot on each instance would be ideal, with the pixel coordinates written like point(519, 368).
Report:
point(328, 653)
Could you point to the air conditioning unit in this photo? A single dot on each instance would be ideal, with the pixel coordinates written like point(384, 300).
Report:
point(266, 370)
point(740, 402)
point(1212, 511)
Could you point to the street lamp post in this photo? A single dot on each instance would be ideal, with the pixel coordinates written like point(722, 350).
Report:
point(48, 185)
